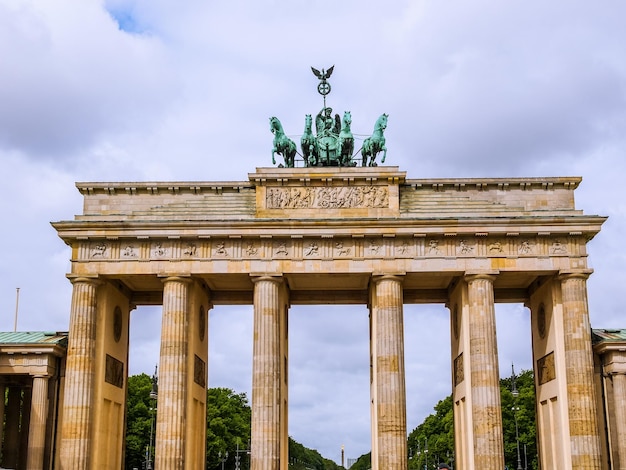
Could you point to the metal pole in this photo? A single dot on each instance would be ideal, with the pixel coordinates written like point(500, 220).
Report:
point(17, 303)
point(515, 394)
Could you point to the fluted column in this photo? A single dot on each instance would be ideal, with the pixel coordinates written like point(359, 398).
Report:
point(171, 417)
point(390, 406)
point(266, 384)
point(80, 369)
point(11, 448)
point(581, 396)
point(37, 428)
point(619, 405)
point(485, 376)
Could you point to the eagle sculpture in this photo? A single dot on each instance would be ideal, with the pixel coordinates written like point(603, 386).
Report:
point(323, 75)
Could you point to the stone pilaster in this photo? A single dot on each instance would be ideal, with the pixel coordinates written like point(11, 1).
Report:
point(171, 407)
point(581, 396)
point(485, 376)
point(37, 428)
point(266, 386)
point(390, 393)
point(80, 369)
point(619, 405)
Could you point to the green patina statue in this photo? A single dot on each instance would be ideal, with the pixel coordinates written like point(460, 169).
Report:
point(283, 145)
point(333, 142)
point(375, 144)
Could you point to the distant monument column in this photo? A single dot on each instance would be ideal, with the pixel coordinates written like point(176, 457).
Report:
point(80, 369)
point(485, 376)
point(173, 370)
point(581, 396)
point(37, 427)
point(269, 381)
point(389, 446)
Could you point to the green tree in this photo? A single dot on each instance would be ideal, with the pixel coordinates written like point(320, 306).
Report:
point(228, 426)
point(523, 408)
point(436, 433)
point(303, 458)
point(433, 441)
point(139, 420)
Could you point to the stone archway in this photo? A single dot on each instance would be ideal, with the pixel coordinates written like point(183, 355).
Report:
point(329, 235)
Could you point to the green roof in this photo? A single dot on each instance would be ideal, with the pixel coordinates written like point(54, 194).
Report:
point(608, 335)
point(34, 337)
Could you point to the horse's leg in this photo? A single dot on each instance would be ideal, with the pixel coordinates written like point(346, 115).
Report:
point(273, 159)
point(382, 160)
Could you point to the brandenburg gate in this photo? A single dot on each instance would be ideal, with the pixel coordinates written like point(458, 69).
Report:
point(329, 235)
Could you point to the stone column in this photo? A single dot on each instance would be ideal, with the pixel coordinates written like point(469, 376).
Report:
point(172, 401)
point(266, 386)
point(581, 396)
point(80, 369)
point(485, 376)
point(37, 428)
point(390, 406)
point(619, 405)
point(11, 449)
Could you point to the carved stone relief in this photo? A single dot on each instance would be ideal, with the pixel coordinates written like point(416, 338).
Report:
point(545, 368)
point(373, 247)
point(160, 250)
point(353, 197)
point(526, 247)
point(459, 371)
point(464, 248)
point(114, 372)
point(129, 251)
point(199, 371)
point(99, 250)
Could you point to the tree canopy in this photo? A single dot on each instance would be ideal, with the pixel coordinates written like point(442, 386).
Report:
point(432, 442)
point(228, 430)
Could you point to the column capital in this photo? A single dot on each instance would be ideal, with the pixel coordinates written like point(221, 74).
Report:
point(278, 278)
point(567, 275)
point(75, 279)
point(179, 277)
point(376, 278)
point(470, 276)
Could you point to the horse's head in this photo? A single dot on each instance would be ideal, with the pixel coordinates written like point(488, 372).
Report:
point(347, 118)
point(381, 123)
point(308, 121)
point(275, 125)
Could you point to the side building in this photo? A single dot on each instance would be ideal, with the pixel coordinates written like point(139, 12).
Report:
point(609, 348)
point(32, 368)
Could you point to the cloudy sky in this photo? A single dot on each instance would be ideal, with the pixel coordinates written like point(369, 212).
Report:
point(134, 90)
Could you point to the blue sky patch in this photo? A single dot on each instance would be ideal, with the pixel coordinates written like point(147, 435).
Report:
point(125, 19)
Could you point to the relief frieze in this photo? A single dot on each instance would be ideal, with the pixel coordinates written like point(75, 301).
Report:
point(326, 247)
point(342, 250)
point(311, 250)
point(99, 250)
point(352, 197)
point(160, 250)
point(526, 247)
point(129, 251)
point(190, 250)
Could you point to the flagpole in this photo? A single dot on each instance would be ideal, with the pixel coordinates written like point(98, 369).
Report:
point(17, 303)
